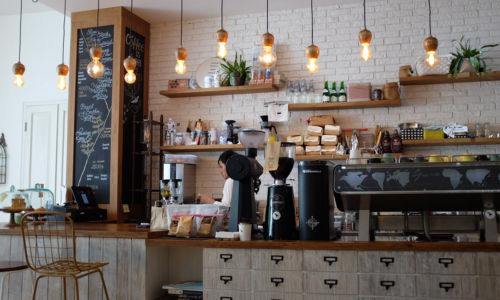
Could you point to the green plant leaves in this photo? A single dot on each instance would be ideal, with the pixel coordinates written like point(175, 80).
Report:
point(465, 50)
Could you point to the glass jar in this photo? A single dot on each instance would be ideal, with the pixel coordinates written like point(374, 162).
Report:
point(40, 197)
point(479, 130)
point(487, 130)
point(14, 199)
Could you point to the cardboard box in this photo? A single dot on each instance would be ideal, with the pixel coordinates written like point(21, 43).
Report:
point(178, 84)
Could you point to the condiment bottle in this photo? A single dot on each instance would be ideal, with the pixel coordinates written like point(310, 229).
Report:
point(386, 142)
point(396, 143)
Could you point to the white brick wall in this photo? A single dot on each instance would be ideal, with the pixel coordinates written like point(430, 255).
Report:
point(399, 28)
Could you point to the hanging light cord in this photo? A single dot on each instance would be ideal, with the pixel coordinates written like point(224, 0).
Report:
point(130, 34)
point(312, 24)
point(98, 13)
point(64, 30)
point(364, 11)
point(20, 22)
point(430, 27)
point(221, 13)
point(182, 8)
point(267, 18)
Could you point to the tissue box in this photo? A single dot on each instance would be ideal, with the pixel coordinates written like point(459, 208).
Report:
point(412, 134)
point(311, 140)
point(359, 92)
point(433, 134)
point(313, 150)
point(329, 140)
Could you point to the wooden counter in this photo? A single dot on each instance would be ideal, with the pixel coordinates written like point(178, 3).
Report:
point(328, 245)
point(101, 230)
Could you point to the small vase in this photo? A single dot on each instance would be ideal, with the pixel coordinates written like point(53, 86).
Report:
point(234, 79)
point(466, 66)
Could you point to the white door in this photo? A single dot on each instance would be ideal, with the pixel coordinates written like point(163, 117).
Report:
point(44, 146)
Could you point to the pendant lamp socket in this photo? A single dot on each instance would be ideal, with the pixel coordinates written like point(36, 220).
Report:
point(18, 69)
point(221, 36)
point(96, 52)
point(312, 52)
point(62, 70)
point(181, 54)
point(267, 40)
point(129, 63)
point(430, 44)
point(365, 36)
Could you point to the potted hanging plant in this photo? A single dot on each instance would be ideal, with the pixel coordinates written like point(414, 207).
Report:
point(234, 74)
point(468, 59)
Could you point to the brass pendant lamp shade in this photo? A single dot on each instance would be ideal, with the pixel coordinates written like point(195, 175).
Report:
point(181, 53)
point(431, 45)
point(95, 68)
point(18, 68)
point(267, 57)
point(62, 69)
point(129, 63)
point(312, 52)
point(365, 37)
point(221, 35)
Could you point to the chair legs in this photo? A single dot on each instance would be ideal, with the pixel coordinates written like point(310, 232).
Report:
point(64, 287)
point(5, 277)
point(77, 293)
point(35, 287)
point(103, 284)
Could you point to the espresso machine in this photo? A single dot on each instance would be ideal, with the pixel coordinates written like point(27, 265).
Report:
point(316, 202)
point(245, 170)
point(280, 211)
point(180, 173)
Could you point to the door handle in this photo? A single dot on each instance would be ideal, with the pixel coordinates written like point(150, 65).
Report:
point(446, 285)
point(226, 279)
point(276, 281)
point(387, 260)
point(445, 261)
point(331, 282)
point(277, 258)
point(226, 257)
point(330, 259)
point(387, 284)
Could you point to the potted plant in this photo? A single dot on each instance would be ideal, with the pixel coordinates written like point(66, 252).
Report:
point(236, 73)
point(469, 59)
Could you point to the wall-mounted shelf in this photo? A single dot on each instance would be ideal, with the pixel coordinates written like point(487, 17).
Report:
point(450, 78)
point(204, 148)
point(330, 157)
point(344, 105)
point(452, 142)
point(226, 90)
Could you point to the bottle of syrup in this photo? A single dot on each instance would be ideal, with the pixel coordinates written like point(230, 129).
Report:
point(396, 143)
point(386, 143)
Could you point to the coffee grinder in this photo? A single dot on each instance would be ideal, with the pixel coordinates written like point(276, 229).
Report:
point(280, 212)
point(245, 170)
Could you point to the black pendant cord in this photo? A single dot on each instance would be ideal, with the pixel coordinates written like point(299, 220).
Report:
point(364, 11)
point(182, 9)
point(130, 34)
point(97, 13)
point(312, 24)
point(430, 27)
point(221, 13)
point(267, 17)
point(64, 30)
point(20, 24)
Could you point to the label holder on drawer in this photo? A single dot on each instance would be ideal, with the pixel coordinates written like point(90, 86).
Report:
point(330, 259)
point(226, 279)
point(387, 260)
point(387, 284)
point(446, 261)
point(277, 258)
point(226, 257)
point(446, 285)
point(277, 280)
point(331, 282)
point(226, 298)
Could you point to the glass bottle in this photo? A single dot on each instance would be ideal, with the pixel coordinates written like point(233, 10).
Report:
point(296, 88)
point(334, 96)
point(326, 93)
point(487, 130)
point(303, 91)
point(479, 131)
point(311, 98)
point(289, 91)
point(342, 93)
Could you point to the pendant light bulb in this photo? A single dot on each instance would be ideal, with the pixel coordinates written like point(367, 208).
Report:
point(221, 36)
point(312, 53)
point(18, 70)
point(365, 37)
point(430, 46)
point(431, 60)
point(222, 51)
point(180, 55)
point(129, 63)
point(95, 68)
point(366, 54)
point(62, 72)
point(267, 57)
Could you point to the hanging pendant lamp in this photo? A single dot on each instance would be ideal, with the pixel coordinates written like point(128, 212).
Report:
point(95, 68)
point(221, 34)
point(312, 51)
point(62, 69)
point(18, 68)
point(181, 53)
point(365, 37)
point(267, 58)
point(431, 45)
point(129, 63)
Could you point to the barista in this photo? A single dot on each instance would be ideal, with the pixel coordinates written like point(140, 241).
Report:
point(228, 186)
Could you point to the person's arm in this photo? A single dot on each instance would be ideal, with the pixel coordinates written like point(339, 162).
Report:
point(206, 199)
point(227, 193)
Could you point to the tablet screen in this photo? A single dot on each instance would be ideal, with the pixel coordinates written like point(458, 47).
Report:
point(84, 197)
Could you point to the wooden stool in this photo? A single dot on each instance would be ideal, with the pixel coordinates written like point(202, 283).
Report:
point(11, 267)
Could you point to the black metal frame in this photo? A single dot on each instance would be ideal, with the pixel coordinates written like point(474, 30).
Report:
point(3, 165)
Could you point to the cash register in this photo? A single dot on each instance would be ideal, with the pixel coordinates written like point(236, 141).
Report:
point(84, 208)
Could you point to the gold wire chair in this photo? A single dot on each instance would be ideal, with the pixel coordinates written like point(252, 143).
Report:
point(49, 246)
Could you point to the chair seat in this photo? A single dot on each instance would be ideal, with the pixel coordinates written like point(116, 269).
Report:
point(8, 266)
point(69, 267)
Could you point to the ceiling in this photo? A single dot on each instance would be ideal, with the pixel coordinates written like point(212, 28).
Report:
point(158, 11)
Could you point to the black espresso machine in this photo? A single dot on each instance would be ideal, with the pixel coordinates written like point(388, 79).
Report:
point(421, 187)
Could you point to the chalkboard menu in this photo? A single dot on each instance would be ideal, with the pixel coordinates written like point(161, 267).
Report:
point(132, 105)
point(93, 114)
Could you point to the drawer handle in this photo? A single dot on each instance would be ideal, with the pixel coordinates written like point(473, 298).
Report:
point(446, 285)
point(226, 298)
point(226, 257)
point(276, 281)
point(387, 284)
point(387, 260)
point(445, 261)
point(331, 282)
point(277, 258)
point(226, 279)
point(330, 259)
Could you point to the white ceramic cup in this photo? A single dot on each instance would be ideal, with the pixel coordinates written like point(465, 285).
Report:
point(245, 231)
point(209, 81)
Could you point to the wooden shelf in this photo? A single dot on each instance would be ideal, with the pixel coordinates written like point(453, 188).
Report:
point(344, 105)
point(226, 90)
point(452, 142)
point(450, 78)
point(330, 157)
point(204, 148)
